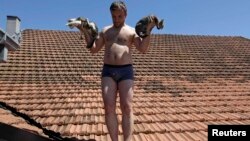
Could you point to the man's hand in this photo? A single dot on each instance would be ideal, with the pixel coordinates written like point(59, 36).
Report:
point(87, 28)
point(144, 26)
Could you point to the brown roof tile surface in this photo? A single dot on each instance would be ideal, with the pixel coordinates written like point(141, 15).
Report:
point(183, 84)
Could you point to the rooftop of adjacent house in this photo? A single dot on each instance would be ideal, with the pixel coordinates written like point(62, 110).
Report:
point(182, 84)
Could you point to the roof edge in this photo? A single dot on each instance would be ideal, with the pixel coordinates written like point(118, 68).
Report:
point(158, 34)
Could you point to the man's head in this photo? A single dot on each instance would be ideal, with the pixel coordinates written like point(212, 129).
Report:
point(118, 11)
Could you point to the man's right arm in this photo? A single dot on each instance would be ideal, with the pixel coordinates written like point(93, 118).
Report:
point(98, 44)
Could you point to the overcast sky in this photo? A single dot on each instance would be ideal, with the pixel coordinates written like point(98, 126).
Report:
point(188, 17)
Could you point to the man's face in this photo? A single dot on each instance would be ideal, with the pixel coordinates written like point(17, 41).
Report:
point(118, 17)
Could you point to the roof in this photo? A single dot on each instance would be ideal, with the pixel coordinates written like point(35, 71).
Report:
point(10, 133)
point(183, 84)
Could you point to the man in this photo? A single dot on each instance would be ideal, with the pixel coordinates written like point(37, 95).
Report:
point(117, 73)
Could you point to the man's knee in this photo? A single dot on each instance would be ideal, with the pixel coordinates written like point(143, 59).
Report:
point(110, 109)
point(126, 109)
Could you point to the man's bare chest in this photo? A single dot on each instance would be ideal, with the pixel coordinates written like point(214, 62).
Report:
point(119, 38)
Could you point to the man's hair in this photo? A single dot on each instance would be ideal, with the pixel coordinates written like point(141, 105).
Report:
point(118, 5)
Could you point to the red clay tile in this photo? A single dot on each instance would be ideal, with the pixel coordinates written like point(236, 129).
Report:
point(182, 84)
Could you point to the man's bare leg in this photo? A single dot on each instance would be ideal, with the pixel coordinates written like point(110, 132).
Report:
point(109, 95)
point(126, 95)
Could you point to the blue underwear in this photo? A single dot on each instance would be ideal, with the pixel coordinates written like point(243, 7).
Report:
point(118, 72)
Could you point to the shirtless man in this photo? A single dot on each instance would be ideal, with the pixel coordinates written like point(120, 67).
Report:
point(117, 73)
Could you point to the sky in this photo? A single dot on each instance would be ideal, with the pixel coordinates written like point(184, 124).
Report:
point(181, 17)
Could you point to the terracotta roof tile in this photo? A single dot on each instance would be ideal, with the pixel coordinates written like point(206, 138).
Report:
point(183, 84)
point(194, 137)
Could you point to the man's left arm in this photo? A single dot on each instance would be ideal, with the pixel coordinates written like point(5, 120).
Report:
point(142, 44)
point(143, 30)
